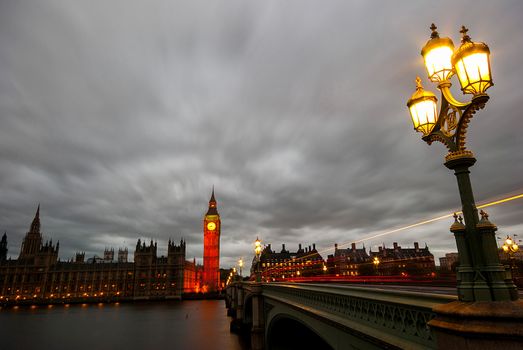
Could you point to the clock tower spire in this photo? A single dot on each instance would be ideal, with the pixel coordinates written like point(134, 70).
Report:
point(211, 247)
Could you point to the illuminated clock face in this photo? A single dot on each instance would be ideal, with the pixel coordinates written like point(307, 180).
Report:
point(211, 226)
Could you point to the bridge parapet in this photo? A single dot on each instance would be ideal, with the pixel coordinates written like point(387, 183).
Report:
point(384, 317)
point(376, 318)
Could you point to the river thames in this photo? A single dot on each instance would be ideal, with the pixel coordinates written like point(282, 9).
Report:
point(191, 325)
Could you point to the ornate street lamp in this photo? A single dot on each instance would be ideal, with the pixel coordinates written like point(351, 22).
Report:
point(510, 247)
point(481, 277)
point(376, 263)
point(240, 264)
point(257, 251)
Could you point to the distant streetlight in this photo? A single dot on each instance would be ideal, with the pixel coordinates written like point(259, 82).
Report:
point(376, 263)
point(510, 247)
point(481, 277)
point(257, 251)
point(240, 264)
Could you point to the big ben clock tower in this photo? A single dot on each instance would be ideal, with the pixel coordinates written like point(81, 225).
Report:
point(211, 247)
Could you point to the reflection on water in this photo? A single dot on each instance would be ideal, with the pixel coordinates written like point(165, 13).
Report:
point(170, 325)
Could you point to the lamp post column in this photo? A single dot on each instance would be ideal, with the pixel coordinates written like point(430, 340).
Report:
point(258, 272)
point(240, 263)
point(481, 277)
point(465, 238)
point(257, 251)
point(461, 167)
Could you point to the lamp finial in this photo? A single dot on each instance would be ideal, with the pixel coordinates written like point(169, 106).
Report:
point(464, 36)
point(418, 84)
point(434, 33)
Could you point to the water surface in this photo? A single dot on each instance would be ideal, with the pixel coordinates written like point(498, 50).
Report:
point(194, 325)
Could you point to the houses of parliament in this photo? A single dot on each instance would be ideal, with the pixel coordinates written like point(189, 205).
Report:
point(39, 276)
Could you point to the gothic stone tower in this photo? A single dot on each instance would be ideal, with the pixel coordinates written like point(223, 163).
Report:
point(176, 260)
point(32, 240)
point(211, 247)
point(3, 248)
point(33, 250)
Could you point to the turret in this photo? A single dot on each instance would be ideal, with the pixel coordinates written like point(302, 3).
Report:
point(145, 255)
point(80, 257)
point(122, 255)
point(176, 253)
point(108, 255)
point(3, 248)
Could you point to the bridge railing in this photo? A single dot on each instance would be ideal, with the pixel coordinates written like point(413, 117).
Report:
point(394, 317)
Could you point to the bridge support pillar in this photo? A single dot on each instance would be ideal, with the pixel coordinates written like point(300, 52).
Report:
point(231, 311)
point(228, 298)
point(239, 305)
point(479, 325)
point(258, 322)
point(237, 321)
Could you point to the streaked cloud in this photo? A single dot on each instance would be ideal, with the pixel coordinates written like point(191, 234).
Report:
point(119, 117)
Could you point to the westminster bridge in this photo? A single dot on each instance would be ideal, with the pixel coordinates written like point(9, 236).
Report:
point(330, 316)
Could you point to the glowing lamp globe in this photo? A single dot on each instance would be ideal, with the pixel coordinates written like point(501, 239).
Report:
point(423, 109)
point(437, 54)
point(505, 248)
point(515, 247)
point(257, 246)
point(472, 64)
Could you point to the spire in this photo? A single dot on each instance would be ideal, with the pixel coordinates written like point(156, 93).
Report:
point(212, 200)
point(3, 248)
point(35, 225)
point(212, 204)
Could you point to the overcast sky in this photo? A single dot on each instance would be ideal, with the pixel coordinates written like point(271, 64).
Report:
point(119, 117)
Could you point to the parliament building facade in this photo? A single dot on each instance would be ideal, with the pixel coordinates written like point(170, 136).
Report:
point(39, 276)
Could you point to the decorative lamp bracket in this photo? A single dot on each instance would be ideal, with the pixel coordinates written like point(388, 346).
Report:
point(453, 120)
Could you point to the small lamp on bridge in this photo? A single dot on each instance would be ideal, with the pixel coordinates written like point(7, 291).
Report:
point(376, 263)
point(257, 251)
point(510, 247)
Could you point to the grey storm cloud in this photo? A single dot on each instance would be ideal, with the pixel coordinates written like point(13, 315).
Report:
point(119, 117)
